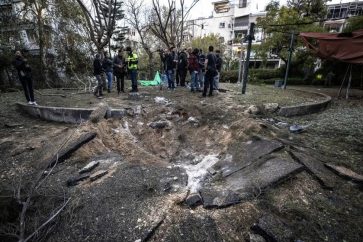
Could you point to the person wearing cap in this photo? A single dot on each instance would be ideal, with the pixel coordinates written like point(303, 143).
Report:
point(132, 62)
point(119, 70)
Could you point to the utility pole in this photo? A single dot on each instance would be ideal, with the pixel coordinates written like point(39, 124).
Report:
point(249, 37)
point(289, 59)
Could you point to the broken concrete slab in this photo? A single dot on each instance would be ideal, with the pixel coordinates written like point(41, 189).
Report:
point(218, 198)
point(273, 228)
point(326, 177)
point(193, 200)
point(65, 115)
point(261, 174)
point(248, 182)
point(75, 180)
point(89, 167)
point(252, 150)
point(345, 172)
point(98, 174)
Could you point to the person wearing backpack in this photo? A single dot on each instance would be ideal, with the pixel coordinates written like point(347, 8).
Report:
point(219, 68)
point(211, 64)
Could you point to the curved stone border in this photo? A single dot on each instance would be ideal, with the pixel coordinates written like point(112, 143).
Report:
point(304, 109)
point(62, 114)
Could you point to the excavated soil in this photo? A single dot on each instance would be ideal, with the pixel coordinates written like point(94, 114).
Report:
point(151, 156)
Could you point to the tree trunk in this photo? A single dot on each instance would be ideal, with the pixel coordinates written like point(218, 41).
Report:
point(43, 67)
point(151, 66)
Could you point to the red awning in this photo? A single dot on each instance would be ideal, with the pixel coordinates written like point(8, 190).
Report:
point(346, 48)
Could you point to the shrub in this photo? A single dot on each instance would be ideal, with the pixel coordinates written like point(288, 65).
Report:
point(229, 76)
point(261, 74)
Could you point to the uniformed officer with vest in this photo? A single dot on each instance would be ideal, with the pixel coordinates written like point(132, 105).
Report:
point(132, 61)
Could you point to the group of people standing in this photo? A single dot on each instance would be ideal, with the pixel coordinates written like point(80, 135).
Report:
point(203, 69)
point(106, 68)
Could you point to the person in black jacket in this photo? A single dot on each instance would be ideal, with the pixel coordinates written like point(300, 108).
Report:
point(107, 65)
point(211, 66)
point(119, 70)
point(25, 76)
point(99, 74)
point(182, 67)
point(170, 67)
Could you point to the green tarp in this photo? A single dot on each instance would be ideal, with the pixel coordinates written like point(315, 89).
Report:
point(155, 82)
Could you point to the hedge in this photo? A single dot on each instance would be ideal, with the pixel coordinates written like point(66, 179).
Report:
point(255, 75)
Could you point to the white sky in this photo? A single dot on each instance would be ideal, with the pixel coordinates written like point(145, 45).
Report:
point(203, 8)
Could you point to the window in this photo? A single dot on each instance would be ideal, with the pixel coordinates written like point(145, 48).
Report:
point(242, 3)
point(222, 25)
point(229, 26)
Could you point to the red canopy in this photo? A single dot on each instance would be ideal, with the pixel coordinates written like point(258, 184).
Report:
point(331, 46)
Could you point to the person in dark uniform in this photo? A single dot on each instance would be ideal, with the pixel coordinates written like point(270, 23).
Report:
point(119, 71)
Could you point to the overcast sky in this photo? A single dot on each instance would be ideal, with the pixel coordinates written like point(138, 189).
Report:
point(203, 8)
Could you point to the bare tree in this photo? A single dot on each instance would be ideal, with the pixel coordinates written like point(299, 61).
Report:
point(138, 19)
point(168, 22)
point(101, 16)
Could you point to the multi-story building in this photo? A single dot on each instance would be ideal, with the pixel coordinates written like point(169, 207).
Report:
point(231, 20)
point(338, 13)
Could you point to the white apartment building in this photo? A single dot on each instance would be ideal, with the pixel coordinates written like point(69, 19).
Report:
point(230, 19)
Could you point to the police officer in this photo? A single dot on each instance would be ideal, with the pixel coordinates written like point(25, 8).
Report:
point(132, 61)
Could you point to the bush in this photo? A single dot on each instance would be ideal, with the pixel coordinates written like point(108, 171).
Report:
point(262, 74)
point(229, 76)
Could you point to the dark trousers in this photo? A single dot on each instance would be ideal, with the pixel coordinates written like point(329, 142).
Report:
point(177, 79)
point(182, 75)
point(208, 82)
point(120, 81)
point(27, 84)
point(133, 76)
point(100, 79)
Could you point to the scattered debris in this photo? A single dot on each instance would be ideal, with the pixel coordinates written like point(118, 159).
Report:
point(271, 107)
point(75, 180)
point(98, 174)
point(255, 238)
point(161, 100)
point(345, 172)
point(193, 121)
point(316, 168)
point(273, 228)
point(160, 124)
point(99, 113)
point(89, 167)
point(253, 109)
point(65, 152)
point(12, 125)
point(298, 128)
point(197, 173)
point(193, 200)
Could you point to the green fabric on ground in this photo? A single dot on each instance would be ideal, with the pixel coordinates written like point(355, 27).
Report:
point(155, 82)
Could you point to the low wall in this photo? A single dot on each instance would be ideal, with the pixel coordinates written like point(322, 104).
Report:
point(62, 114)
point(305, 109)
